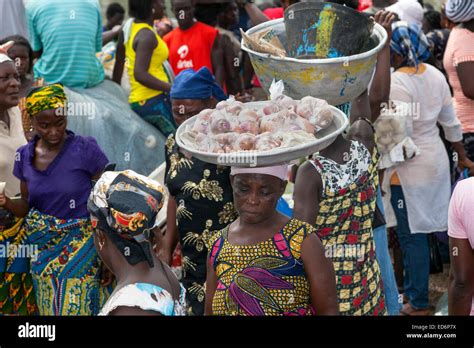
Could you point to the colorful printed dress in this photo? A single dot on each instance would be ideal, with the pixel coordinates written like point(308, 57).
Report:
point(344, 225)
point(148, 297)
point(204, 203)
point(263, 279)
point(65, 267)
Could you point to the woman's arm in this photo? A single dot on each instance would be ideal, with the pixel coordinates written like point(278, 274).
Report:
point(380, 88)
point(232, 65)
point(111, 35)
point(146, 44)
point(461, 277)
point(119, 60)
point(255, 14)
point(211, 285)
point(321, 277)
point(465, 72)
point(217, 59)
point(170, 239)
point(307, 193)
point(18, 207)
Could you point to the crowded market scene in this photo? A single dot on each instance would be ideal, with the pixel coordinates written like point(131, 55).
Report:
point(237, 157)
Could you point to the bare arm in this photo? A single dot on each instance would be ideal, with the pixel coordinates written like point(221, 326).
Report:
point(232, 75)
point(255, 14)
point(170, 239)
point(321, 277)
point(217, 58)
point(380, 88)
point(307, 193)
point(146, 44)
point(465, 72)
point(19, 207)
point(461, 277)
point(211, 285)
point(110, 35)
point(119, 60)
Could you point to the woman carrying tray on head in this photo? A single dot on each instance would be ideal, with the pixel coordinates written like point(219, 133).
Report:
point(265, 263)
point(336, 191)
point(200, 193)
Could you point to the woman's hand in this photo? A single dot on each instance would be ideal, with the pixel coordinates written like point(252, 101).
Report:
point(465, 163)
point(385, 19)
point(6, 46)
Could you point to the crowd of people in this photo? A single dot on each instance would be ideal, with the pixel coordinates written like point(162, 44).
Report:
point(75, 186)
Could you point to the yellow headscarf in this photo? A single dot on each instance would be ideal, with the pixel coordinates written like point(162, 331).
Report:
point(48, 97)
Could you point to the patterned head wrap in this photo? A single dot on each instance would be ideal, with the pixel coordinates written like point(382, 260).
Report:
point(459, 11)
point(410, 42)
point(125, 205)
point(48, 97)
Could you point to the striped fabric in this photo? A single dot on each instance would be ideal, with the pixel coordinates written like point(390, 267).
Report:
point(69, 33)
point(460, 11)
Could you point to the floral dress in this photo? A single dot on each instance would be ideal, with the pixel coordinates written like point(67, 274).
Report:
point(344, 225)
point(204, 204)
point(267, 278)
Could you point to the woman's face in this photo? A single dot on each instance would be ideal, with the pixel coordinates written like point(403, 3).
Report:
point(185, 108)
point(20, 55)
point(50, 125)
point(9, 85)
point(256, 196)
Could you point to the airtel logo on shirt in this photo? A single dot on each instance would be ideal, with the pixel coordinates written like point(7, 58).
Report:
point(183, 63)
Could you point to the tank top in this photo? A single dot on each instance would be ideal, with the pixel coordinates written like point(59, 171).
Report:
point(139, 92)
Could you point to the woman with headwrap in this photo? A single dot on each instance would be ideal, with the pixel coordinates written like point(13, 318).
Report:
point(124, 208)
point(22, 53)
point(200, 193)
point(56, 170)
point(16, 288)
point(419, 189)
point(265, 263)
point(459, 65)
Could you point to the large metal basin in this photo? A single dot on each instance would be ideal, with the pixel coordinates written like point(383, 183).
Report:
point(337, 80)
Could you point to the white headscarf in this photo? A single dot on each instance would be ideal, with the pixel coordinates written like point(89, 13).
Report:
point(409, 11)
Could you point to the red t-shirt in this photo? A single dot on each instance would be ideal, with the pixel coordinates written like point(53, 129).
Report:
point(191, 48)
point(274, 13)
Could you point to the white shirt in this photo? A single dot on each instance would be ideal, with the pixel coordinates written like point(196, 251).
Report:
point(425, 179)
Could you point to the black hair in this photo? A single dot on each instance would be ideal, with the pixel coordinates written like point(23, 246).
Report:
point(140, 9)
point(113, 9)
point(433, 18)
point(207, 13)
point(20, 40)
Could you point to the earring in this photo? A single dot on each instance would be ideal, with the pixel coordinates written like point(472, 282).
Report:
point(101, 246)
point(153, 10)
